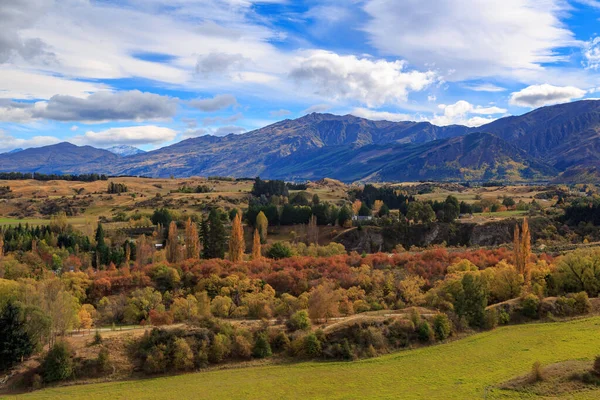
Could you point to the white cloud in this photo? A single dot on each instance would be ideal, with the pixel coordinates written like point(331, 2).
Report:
point(470, 37)
point(459, 114)
point(370, 82)
point(485, 87)
point(134, 135)
point(380, 115)
point(317, 108)
point(591, 54)
point(543, 95)
point(216, 103)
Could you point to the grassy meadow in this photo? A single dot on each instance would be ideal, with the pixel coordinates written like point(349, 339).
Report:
point(469, 368)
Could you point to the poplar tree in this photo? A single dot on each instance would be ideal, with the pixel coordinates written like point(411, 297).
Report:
point(256, 248)
point(236, 240)
point(192, 243)
point(262, 224)
point(173, 243)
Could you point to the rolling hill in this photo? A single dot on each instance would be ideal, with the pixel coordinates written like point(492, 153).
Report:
point(559, 142)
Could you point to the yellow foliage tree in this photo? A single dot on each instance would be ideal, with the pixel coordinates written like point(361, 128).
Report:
point(173, 243)
point(192, 241)
point(356, 207)
point(377, 207)
point(236, 240)
point(262, 224)
point(256, 248)
point(522, 250)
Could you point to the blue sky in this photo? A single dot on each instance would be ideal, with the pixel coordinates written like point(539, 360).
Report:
point(150, 73)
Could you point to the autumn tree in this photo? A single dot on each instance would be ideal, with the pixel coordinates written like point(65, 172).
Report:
point(356, 206)
point(192, 241)
point(377, 204)
point(256, 248)
point(262, 224)
point(236, 239)
point(143, 250)
point(522, 250)
point(173, 243)
point(323, 302)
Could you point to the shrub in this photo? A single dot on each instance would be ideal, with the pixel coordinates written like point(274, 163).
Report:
point(58, 363)
point(596, 367)
point(242, 347)
point(424, 332)
point(281, 342)
point(491, 318)
point(262, 348)
point(582, 303)
point(299, 321)
point(279, 250)
point(183, 357)
point(530, 305)
point(537, 372)
point(97, 338)
point(156, 360)
point(441, 326)
point(312, 345)
point(103, 360)
point(219, 349)
point(503, 317)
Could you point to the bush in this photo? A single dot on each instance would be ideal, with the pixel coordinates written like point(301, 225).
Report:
point(299, 321)
point(281, 342)
point(312, 345)
point(219, 349)
point(582, 303)
point(262, 348)
point(279, 250)
point(503, 317)
point(530, 305)
point(491, 318)
point(441, 327)
point(103, 360)
point(156, 360)
point(97, 338)
point(242, 347)
point(183, 357)
point(537, 372)
point(424, 332)
point(58, 363)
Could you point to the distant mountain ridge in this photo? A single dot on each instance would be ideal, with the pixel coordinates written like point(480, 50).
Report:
point(125, 150)
point(554, 142)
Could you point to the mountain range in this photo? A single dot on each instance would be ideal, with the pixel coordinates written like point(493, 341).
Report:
point(560, 143)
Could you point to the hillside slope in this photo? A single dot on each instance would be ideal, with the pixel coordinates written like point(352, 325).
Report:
point(469, 368)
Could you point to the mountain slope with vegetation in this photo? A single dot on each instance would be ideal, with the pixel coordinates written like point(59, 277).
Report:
point(538, 145)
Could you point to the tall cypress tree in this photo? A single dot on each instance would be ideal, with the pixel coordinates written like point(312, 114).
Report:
point(214, 237)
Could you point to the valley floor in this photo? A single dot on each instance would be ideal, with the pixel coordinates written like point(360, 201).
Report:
point(469, 368)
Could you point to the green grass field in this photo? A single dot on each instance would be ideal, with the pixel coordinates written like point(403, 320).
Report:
point(464, 369)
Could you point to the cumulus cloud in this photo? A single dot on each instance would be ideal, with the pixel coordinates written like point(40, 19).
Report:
point(219, 102)
point(380, 115)
point(460, 112)
point(371, 82)
point(470, 38)
point(591, 54)
point(280, 113)
point(543, 95)
point(132, 135)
